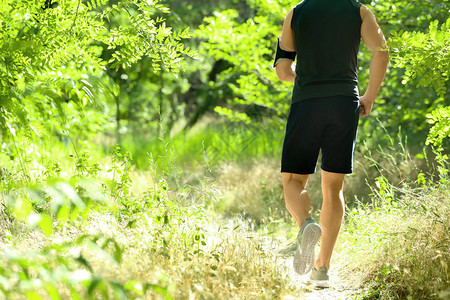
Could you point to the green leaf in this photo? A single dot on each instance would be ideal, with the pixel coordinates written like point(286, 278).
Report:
point(33, 296)
point(52, 292)
point(22, 209)
point(74, 293)
point(63, 213)
point(71, 194)
point(46, 224)
point(135, 286)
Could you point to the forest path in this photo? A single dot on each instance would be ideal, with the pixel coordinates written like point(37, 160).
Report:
point(338, 290)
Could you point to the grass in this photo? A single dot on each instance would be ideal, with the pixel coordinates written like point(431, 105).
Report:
point(167, 237)
point(191, 226)
point(399, 249)
point(207, 145)
point(211, 147)
point(251, 190)
point(186, 250)
point(397, 245)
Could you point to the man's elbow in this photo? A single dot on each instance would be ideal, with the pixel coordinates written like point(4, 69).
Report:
point(285, 69)
point(282, 74)
point(382, 56)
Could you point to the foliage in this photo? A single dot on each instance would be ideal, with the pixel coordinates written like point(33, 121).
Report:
point(52, 56)
point(426, 56)
point(408, 16)
point(79, 223)
point(123, 243)
point(206, 147)
point(62, 268)
point(441, 128)
point(248, 47)
point(51, 206)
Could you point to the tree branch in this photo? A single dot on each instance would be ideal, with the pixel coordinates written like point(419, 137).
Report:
point(76, 16)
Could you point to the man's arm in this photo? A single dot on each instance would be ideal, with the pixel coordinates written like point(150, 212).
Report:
point(285, 68)
point(374, 40)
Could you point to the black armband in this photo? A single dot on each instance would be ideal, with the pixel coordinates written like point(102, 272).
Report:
point(283, 54)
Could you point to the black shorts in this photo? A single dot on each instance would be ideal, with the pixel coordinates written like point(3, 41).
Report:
point(328, 124)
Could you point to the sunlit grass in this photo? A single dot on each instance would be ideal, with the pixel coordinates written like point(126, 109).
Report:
point(192, 253)
point(170, 236)
point(207, 145)
point(399, 248)
point(199, 228)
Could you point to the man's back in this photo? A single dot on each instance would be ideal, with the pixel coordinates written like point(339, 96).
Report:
point(327, 38)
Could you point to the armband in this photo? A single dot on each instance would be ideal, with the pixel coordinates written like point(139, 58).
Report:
point(283, 54)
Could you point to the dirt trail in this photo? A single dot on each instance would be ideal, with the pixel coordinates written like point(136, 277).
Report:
point(338, 290)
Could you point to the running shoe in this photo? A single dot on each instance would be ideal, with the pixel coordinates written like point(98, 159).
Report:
point(319, 278)
point(307, 238)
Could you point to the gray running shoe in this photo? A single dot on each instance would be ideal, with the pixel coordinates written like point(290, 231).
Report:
point(307, 238)
point(319, 278)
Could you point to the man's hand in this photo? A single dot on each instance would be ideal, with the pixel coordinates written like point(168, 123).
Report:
point(365, 105)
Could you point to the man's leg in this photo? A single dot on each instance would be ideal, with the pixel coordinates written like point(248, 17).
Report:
point(331, 215)
point(296, 197)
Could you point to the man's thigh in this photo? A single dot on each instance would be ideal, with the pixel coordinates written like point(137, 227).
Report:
point(303, 137)
point(339, 136)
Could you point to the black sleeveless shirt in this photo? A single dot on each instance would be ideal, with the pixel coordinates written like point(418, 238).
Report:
point(327, 36)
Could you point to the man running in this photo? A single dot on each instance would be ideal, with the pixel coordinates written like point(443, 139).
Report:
point(325, 36)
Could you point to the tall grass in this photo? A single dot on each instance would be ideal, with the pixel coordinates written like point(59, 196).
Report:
point(158, 239)
point(212, 147)
point(395, 242)
point(207, 144)
point(397, 246)
point(200, 219)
